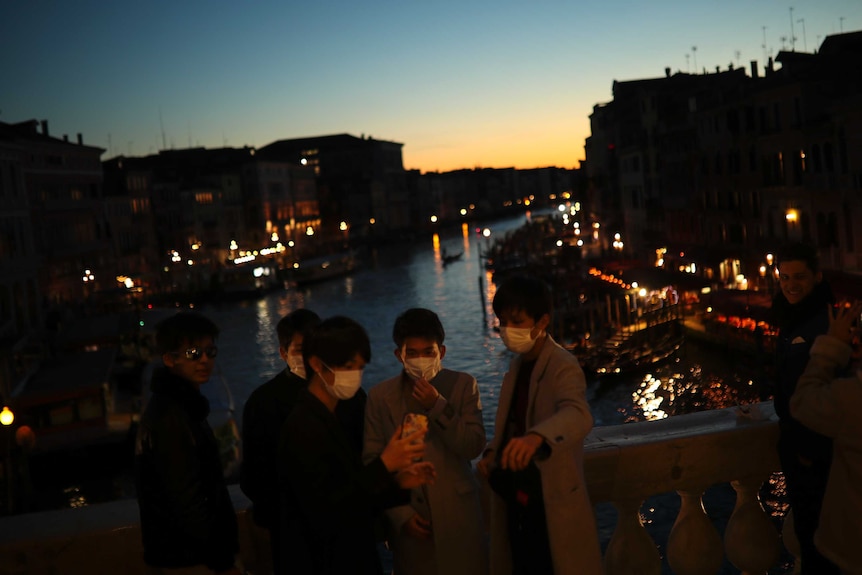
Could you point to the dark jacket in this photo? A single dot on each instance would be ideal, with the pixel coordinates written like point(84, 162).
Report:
point(798, 327)
point(187, 517)
point(262, 418)
point(329, 498)
point(264, 415)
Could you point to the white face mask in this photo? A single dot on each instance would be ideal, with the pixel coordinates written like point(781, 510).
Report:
point(421, 367)
point(296, 365)
point(518, 339)
point(346, 383)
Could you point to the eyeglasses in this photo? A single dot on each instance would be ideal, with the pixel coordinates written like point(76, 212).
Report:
point(194, 353)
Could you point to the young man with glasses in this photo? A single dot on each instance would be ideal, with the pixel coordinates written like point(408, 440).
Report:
point(188, 523)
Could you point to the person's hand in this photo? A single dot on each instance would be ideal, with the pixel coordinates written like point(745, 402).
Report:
point(520, 450)
point(400, 452)
point(418, 527)
point(486, 464)
point(842, 319)
point(416, 475)
point(425, 393)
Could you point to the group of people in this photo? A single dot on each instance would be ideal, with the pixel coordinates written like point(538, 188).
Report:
point(332, 471)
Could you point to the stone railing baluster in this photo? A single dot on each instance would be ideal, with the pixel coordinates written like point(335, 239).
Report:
point(631, 551)
point(750, 539)
point(694, 547)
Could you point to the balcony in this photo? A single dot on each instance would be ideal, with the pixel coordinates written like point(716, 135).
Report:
point(624, 466)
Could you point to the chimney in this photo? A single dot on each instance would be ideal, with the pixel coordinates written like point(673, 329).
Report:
point(65, 137)
point(769, 66)
point(754, 72)
point(44, 127)
point(80, 139)
point(667, 72)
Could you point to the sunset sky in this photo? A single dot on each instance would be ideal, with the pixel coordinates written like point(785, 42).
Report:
point(462, 84)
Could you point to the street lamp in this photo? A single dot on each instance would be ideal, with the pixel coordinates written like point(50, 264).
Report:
point(6, 416)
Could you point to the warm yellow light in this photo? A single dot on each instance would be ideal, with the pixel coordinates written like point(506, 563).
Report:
point(342, 226)
point(791, 215)
point(463, 211)
point(274, 236)
point(6, 416)
point(486, 232)
point(433, 219)
point(309, 231)
point(372, 221)
point(769, 259)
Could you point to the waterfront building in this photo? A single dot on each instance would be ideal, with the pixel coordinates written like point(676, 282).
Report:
point(210, 207)
point(720, 168)
point(360, 182)
point(20, 293)
point(63, 184)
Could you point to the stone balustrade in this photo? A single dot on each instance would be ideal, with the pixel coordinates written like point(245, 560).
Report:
point(624, 466)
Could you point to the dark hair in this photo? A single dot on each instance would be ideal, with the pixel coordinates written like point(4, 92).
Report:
point(183, 328)
point(523, 293)
point(799, 252)
point(298, 321)
point(418, 322)
point(336, 341)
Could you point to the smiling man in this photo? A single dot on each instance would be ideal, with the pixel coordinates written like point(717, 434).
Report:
point(188, 523)
point(801, 312)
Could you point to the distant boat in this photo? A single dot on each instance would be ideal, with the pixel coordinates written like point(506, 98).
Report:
point(448, 259)
point(76, 400)
point(322, 268)
point(641, 351)
point(247, 280)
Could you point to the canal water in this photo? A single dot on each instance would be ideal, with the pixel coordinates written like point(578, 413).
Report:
point(399, 276)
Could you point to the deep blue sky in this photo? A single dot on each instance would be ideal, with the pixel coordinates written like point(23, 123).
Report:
point(460, 83)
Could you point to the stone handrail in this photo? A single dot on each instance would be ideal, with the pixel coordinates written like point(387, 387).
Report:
point(623, 464)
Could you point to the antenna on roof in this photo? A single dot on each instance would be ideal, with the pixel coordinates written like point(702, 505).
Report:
point(162, 126)
point(792, 33)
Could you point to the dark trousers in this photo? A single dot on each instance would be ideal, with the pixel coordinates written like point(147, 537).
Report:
point(806, 484)
point(528, 537)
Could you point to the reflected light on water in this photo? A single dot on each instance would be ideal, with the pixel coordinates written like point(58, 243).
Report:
point(650, 395)
point(670, 392)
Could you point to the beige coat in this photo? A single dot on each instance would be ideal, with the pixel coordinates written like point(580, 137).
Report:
point(456, 435)
point(831, 407)
point(557, 410)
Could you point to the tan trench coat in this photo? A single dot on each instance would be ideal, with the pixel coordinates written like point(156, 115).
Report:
point(456, 435)
point(557, 410)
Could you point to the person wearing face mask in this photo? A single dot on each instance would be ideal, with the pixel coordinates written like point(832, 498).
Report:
point(263, 416)
point(542, 520)
point(329, 498)
point(800, 310)
point(440, 530)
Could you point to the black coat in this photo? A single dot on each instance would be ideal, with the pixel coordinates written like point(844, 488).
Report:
point(329, 498)
point(798, 326)
point(264, 414)
point(187, 517)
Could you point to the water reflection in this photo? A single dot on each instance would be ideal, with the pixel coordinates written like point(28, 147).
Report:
point(691, 384)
